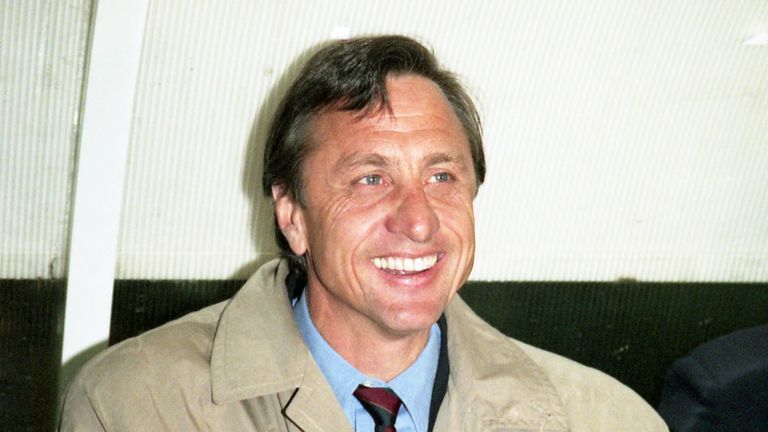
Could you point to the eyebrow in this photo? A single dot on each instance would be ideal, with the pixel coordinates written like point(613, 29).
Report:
point(439, 158)
point(378, 160)
point(357, 159)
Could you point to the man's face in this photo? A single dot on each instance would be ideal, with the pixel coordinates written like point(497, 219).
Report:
point(388, 223)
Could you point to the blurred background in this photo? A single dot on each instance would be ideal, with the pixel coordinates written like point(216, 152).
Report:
point(627, 146)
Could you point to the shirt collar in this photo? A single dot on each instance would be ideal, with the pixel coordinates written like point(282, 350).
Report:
point(413, 386)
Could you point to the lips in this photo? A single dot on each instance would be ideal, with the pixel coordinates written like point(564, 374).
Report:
point(402, 265)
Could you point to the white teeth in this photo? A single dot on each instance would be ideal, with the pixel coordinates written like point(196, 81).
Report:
point(406, 264)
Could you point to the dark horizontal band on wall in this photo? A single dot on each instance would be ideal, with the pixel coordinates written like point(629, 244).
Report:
point(31, 322)
point(630, 330)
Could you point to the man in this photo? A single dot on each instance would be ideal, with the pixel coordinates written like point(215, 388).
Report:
point(373, 161)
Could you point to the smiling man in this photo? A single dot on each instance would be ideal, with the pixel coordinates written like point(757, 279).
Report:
point(386, 223)
point(373, 161)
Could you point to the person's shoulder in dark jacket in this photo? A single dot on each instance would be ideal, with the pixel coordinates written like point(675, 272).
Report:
point(721, 385)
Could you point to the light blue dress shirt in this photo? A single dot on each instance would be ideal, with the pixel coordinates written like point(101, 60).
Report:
point(413, 386)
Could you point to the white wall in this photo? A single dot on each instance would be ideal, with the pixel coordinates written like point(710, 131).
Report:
point(42, 60)
point(624, 138)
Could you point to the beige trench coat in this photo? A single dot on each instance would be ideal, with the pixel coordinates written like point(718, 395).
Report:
point(242, 366)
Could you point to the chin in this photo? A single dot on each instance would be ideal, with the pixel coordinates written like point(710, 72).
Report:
point(410, 322)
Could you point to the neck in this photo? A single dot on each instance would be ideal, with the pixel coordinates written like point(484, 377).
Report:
point(367, 346)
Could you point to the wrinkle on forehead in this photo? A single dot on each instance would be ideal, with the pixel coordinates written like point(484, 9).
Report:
point(388, 122)
point(376, 159)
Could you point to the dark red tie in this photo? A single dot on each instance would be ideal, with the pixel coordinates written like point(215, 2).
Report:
point(382, 404)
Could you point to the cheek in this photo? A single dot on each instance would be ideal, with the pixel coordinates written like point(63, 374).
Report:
point(344, 231)
point(463, 228)
point(456, 213)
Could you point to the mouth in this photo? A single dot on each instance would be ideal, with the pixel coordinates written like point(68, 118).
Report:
point(405, 265)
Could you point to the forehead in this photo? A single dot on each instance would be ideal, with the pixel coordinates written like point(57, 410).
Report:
point(419, 114)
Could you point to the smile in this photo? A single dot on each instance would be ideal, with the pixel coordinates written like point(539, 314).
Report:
point(406, 264)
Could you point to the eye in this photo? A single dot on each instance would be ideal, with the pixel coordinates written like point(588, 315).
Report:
point(440, 177)
point(370, 180)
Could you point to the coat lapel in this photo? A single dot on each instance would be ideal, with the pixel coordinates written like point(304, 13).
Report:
point(313, 406)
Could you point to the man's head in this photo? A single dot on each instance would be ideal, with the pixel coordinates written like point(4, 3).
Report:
point(350, 75)
point(373, 161)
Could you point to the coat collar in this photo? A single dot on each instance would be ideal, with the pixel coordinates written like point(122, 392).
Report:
point(258, 351)
point(254, 352)
point(494, 384)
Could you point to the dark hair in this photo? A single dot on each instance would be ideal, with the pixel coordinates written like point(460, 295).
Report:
point(350, 75)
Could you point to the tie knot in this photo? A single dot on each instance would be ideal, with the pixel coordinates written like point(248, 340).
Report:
point(381, 403)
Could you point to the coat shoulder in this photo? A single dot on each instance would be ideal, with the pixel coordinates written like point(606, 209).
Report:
point(166, 349)
point(139, 372)
point(594, 400)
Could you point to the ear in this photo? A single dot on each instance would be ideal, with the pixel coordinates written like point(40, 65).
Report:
point(290, 219)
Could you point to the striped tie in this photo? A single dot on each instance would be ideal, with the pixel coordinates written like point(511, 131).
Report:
point(382, 404)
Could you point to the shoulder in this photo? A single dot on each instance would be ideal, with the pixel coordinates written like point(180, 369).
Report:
point(594, 398)
point(591, 400)
point(720, 383)
point(138, 371)
point(724, 369)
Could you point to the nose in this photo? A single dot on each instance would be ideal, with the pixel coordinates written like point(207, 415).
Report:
point(413, 216)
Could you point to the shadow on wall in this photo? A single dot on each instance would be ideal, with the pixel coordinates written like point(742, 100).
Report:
point(262, 213)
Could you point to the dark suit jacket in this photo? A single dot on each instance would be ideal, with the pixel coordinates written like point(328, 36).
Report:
point(720, 386)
